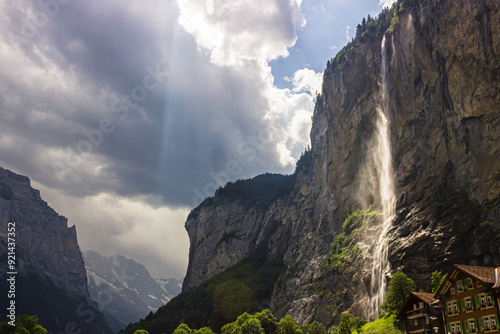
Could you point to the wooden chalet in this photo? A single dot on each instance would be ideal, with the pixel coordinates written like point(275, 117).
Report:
point(422, 314)
point(470, 299)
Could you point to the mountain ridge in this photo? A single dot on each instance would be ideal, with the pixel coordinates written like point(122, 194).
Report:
point(123, 288)
point(49, 264)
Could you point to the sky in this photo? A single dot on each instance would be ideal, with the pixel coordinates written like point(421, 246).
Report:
point(126, 114)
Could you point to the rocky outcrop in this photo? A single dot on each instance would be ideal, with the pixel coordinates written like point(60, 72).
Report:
point(444, 121)
point(49, 263)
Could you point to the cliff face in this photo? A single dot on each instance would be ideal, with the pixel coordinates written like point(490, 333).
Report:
point(444, 114)
point(49, 263)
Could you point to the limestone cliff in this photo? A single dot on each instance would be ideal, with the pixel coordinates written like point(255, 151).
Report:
point(445, 120)
point(51, 280)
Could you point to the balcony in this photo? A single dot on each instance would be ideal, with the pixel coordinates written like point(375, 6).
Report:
point(420, 328)
point(414, 314)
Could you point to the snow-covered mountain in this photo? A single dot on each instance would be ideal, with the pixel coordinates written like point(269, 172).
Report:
point(124, 289)
point(171, 286)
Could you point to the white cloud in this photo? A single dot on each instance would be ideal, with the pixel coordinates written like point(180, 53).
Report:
point(386, 3)
point(306, 80)
point(240, 30)
point(289, 115)
point(245, 35)
point(347, 36)
point(153, 236)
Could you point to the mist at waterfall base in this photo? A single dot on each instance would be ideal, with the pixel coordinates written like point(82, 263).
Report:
point(377, 182)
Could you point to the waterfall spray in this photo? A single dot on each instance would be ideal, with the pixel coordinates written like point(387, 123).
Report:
point(383, 166)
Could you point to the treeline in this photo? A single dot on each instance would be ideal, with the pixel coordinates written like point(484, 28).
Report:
point(370, 28)
point(259, 191)
point(245, 287)
point(232, 299)
point(266, 323)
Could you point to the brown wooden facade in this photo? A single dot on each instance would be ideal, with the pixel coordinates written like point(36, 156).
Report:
point(422, 314)
point(470, 300)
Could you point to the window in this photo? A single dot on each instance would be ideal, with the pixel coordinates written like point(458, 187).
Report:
point(449, 308)
point(452, 291)
point(478, 283)
point(472, 325)
point(469, 283)
point(455, 306)
point(421, 305)
point(483, 299)
point(493, 322)
point(488, 300)
point(460, 285)
point(468, 304)
point(415, 322)
point(455, 328)
point(487, 323)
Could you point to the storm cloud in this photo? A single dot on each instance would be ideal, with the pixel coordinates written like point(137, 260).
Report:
point(125, 114)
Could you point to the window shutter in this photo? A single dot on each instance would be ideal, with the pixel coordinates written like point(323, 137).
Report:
point(472, 303)
point(448, 327)
point(481, 323)
point(476, 297)
point(493, 299)
point(496, 321)
point(463, 305)
point(462, 328)
point(467, 325)
point(475, 325)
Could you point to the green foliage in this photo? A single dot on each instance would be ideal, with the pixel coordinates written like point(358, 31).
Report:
point(400, 288)
point(437, 279)
point(268, 321)
point(5, 191)
point(232, 298)
point(288, 325)
point(259, 191)
point(204, 330)
point(182, 329)
point(394, 22)
point(245, 324)
point(314, 328)
point(25, 324)
point(369, 30)
point(244, 287)
point(383, 325)
point(305, 162)
point(263, 322)
point(348, 324)
point(344, 250)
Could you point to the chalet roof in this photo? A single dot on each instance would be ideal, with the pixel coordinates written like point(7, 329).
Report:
point(484, 274)
point(427, 298)
point(424, 296)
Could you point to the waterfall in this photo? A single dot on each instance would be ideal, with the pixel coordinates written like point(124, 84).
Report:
point(383, 171)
